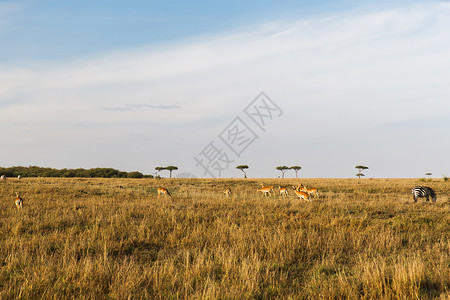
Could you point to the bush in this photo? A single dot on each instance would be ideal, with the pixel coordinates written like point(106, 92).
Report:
point(135, 175)
point(33, 171)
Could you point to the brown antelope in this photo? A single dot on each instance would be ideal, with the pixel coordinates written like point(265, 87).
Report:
point(163, 191)
point(302, 195)
point(283, 191)
point(302, 188)
point(312, 191)
point(263, 186)
point(269, 186)
point(298, 187)
point(265, 190)
point(227, 192)
point(19, 201)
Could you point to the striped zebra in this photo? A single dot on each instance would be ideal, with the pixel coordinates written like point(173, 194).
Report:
point(423, 192)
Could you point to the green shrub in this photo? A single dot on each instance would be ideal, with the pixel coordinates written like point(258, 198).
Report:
point(34, 171)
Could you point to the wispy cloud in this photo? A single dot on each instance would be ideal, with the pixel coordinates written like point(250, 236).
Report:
point(339, 78)
point(130, 107)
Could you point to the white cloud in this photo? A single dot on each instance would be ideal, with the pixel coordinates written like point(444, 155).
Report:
point(340, 79)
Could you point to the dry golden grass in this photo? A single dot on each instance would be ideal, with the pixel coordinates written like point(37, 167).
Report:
point(113, 238)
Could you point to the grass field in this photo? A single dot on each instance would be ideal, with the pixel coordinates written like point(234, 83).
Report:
point(113, 238)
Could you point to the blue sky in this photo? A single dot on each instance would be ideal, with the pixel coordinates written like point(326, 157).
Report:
point(68, 29)
point(138, 84)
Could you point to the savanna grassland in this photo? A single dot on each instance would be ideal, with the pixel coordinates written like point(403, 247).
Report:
point(115, 239)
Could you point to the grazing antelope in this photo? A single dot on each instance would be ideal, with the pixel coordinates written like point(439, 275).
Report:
point(19, 177)
point(3, 177)
point(265, 190)
point(302, 195)
point(313, 192)
point(227, 192)
point(163, 191)
point(298, 187)
point(19, 201)
point(269, 186)
point(283, 191)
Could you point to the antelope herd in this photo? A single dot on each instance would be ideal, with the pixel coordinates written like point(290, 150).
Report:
point(300, 190)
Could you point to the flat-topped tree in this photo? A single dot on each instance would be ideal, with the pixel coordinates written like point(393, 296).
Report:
point(360, 169)
point(282, 169)
point(242, 168)
point(296, 169)
point(158, 169)
point(170, 169)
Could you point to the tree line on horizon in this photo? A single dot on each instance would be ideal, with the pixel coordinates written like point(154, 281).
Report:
point(34, 171)
point(283, 169)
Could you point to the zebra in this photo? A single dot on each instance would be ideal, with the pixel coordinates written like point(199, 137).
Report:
point(424, 192)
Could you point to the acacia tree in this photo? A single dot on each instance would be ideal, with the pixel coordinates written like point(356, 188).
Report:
point(242, 168)
point(170, 169)
point(158, 169)
point(282, 169)
point(360, 169)
point(296, 169)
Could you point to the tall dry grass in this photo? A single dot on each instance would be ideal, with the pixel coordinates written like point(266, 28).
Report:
point(114, 238)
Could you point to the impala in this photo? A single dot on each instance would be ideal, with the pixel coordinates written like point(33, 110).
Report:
point(298, 187)
point(163, 191)
point(263, 186)
point(310, 192)
point(314, 192)
point(302, 195)
point(283, 191)
point(269, 186)
point(19, 201)
point(227, 192)
point(265, 190)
